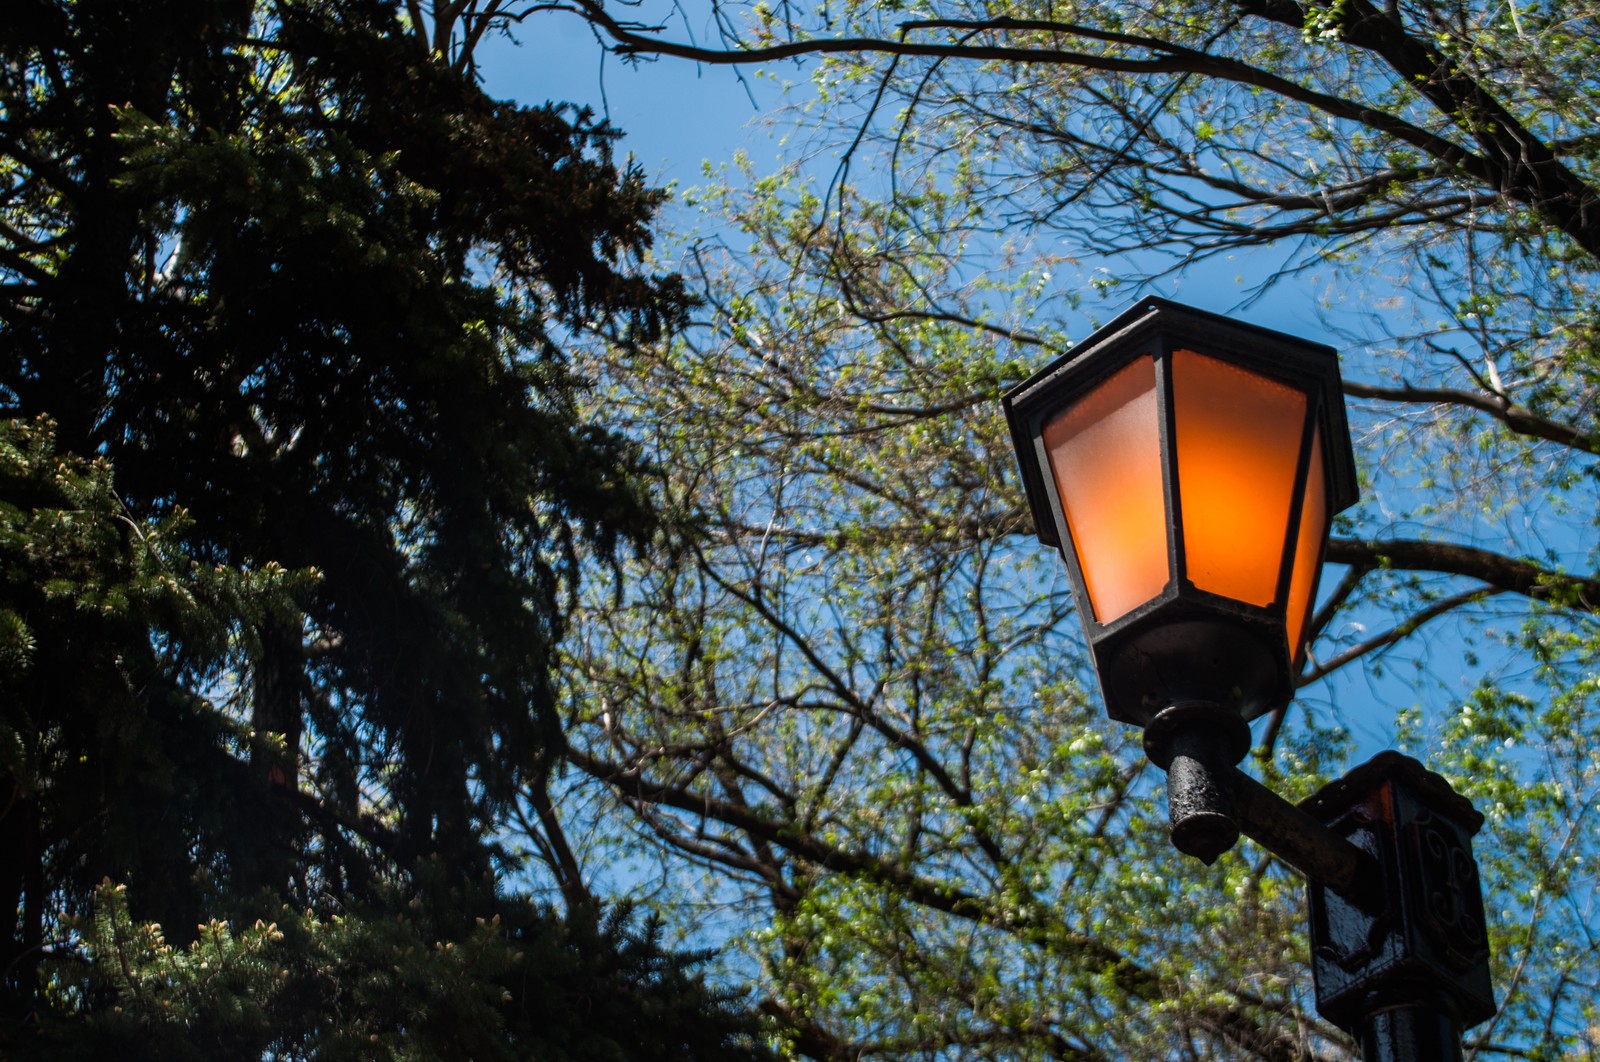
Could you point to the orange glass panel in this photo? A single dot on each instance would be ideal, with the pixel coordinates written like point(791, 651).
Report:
point(1105, 452)
point(1238, 445)
point(1308, 550)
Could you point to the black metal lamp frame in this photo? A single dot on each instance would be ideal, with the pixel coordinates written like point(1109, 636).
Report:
point(1185, 643)
point(1398, 934)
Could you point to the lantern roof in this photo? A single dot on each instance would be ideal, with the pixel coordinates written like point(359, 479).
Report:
point(1159, 326)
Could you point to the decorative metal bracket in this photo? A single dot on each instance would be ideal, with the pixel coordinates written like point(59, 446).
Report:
point(1399, 939)
point(1416, 970)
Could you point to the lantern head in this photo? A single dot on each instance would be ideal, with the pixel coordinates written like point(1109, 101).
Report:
point(1188, 466)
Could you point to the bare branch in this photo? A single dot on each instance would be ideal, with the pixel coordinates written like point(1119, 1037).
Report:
point(1166, 58)
point(1498, 572)
point(1399, 632)
point(1518, 418)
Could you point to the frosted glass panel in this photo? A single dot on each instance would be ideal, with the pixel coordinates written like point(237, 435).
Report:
point(1308, 551)
point(1105, 454)
point(1238, 445)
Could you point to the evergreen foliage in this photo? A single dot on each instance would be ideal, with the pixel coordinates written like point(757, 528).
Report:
point(293, 487)
point(376, 983)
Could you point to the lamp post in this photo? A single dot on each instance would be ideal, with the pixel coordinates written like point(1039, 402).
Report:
point(1188, 467)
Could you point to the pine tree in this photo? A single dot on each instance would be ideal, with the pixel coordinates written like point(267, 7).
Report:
point(295, 491)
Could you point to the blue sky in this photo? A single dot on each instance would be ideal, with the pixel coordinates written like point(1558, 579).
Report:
point(675, 113)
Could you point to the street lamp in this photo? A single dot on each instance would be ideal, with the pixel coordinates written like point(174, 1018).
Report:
point(1188, 467)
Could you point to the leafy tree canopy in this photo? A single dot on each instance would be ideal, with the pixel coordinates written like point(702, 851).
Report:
point(857, 698)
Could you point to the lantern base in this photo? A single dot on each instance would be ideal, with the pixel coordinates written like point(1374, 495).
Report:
point(1162, 659)
point(1198, 743)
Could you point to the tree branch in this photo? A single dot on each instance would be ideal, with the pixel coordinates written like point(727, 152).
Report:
point(1168, 58)
point(1499, 572)
point(1034, 924)
point(1518, 418)
point(1394, 634)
